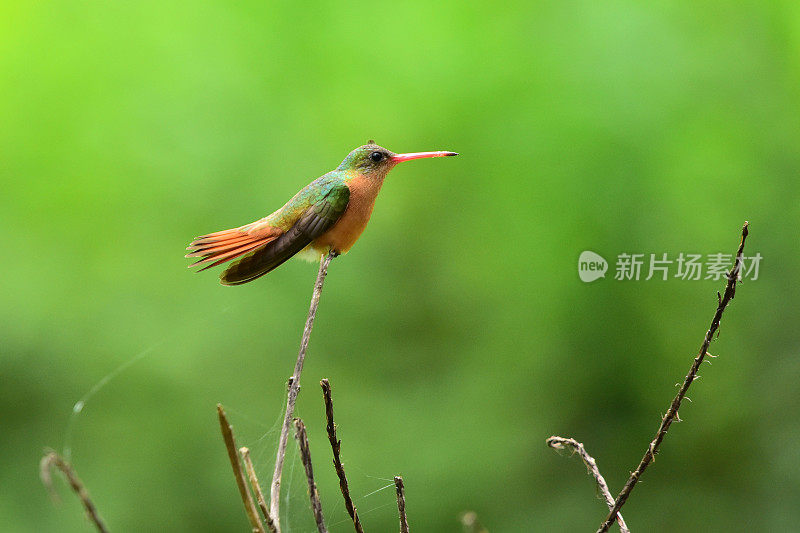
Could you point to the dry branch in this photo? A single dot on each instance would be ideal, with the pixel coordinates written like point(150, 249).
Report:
point(305, 455)
point(294, 389)
point(337, 461)
point(672, 413)
point(256, 486)
point(52, 459)
point(401, 503)
point(238, 473)
point(561, 443)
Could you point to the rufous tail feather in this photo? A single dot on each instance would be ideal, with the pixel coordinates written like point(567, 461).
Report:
point(222, 246)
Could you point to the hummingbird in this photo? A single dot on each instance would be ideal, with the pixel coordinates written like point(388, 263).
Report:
point(327, 216)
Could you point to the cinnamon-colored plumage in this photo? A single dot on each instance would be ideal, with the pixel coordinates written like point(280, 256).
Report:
point(329, 214)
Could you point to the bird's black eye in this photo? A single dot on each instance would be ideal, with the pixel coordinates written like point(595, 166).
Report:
point(376, 157)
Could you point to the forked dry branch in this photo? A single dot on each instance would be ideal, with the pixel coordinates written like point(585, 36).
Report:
point(733, 277)
point(271, 514)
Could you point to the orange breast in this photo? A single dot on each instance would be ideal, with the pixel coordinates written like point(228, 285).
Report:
point(348, 229)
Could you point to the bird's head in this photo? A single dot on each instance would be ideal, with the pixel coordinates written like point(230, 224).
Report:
point(375, 161)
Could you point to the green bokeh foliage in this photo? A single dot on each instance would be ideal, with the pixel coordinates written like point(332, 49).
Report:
point(456, 334)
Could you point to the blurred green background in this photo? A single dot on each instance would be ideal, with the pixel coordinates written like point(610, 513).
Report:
point(456, 334)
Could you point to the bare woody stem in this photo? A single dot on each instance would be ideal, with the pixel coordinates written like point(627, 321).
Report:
point(256, 486)
point(337, 461)
point(238, 473)
point(672, 413)
point(401, 503)
point(305, 455)
point(52, 459)
point(294, 389)
point(561, 443)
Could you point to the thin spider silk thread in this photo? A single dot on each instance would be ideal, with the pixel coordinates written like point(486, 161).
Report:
point(77, 409)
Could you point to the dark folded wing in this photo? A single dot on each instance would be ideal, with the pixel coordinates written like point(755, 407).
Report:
point(313, 222)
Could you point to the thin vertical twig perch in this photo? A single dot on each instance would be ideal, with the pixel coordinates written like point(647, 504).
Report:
point(672, 412)
point(256, 486)
point(337, 461)
point(52, 459)
point(238, 473)
point(305, 455)
point(401, 503)
point(561, 443)
point(294, 389)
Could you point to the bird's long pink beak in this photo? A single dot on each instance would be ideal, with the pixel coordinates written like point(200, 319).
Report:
point(399, 158)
